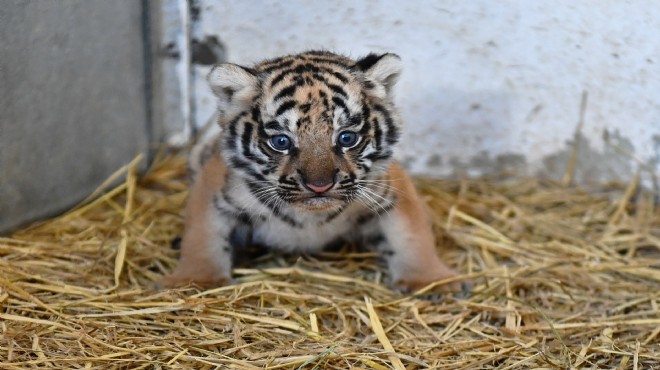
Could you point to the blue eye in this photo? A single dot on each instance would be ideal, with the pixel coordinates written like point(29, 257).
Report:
point(347, 139)
point(280, 142)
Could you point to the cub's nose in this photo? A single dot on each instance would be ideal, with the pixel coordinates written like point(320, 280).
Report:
point(319, 186)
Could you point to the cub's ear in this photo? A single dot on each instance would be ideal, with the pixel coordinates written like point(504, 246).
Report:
point(234, 86)
point(382, 71)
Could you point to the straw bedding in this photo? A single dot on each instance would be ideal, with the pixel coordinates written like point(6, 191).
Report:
point(563, 278)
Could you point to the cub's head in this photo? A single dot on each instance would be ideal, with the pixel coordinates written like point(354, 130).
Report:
point(314, 131)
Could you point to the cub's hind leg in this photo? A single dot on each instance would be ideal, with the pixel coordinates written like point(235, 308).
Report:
point(205, 247)
point(408, 242)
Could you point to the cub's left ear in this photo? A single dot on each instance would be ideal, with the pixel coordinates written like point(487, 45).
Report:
point(382, 70)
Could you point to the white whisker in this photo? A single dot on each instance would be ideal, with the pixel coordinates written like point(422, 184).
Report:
point(370, 194)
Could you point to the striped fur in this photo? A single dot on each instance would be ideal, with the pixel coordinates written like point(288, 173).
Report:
point(252, 188)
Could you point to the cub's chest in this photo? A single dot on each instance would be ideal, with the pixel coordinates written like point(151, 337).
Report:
point(310, 236)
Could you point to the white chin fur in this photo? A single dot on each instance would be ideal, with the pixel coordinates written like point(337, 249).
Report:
point(317, 204)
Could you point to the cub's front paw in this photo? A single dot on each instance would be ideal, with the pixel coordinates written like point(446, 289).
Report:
point(413, 283)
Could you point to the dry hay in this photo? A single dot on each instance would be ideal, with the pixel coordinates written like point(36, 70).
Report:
point(564, 278)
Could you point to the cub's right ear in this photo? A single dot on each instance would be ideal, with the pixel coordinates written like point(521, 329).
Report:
point(234, 86)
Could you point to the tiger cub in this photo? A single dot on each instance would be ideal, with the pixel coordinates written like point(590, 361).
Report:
point(304, 160)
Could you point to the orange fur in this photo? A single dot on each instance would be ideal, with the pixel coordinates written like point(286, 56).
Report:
point(422, 265)
point(197, 262)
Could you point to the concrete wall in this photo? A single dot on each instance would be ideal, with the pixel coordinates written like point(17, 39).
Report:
point(488, 85)
point(85, 85)
point(73, 103)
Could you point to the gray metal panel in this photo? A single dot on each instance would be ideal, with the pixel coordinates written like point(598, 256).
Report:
point(72, 101)
point(170, 71)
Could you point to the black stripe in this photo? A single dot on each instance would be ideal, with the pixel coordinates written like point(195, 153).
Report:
point(232, 128)
point(277, 79)
point(376, 156)
point(392, 131)
point(338, 90)
point(273, 125)
point(244, 166)
point(272, 206)
point(287, 91)
point(271, 167)
point(307, 67)
point(329, 61)
point(232, 124)
point(361, 147)
point(256, 114)
point(393, 136)
point(317, 52)
point(299, 80)
point(366, 112)
point(229, 142)
point(334, 214)
point(278, 64)
point(364, 218)
point(365, 128)
point(316, 70)
point(263, 135)
point(368, 84)
point(324, 100)
point(340, 103)
point(378, 133)
point(246, 140)
point(289, 104)
point(284, 180)
point(319, 77)
point(355, 119)
point(340, 77)
point(297, 71)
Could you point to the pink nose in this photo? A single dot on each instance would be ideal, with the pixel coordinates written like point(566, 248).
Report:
point(319, 188)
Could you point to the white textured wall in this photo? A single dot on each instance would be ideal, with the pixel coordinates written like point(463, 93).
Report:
point(487, 84)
